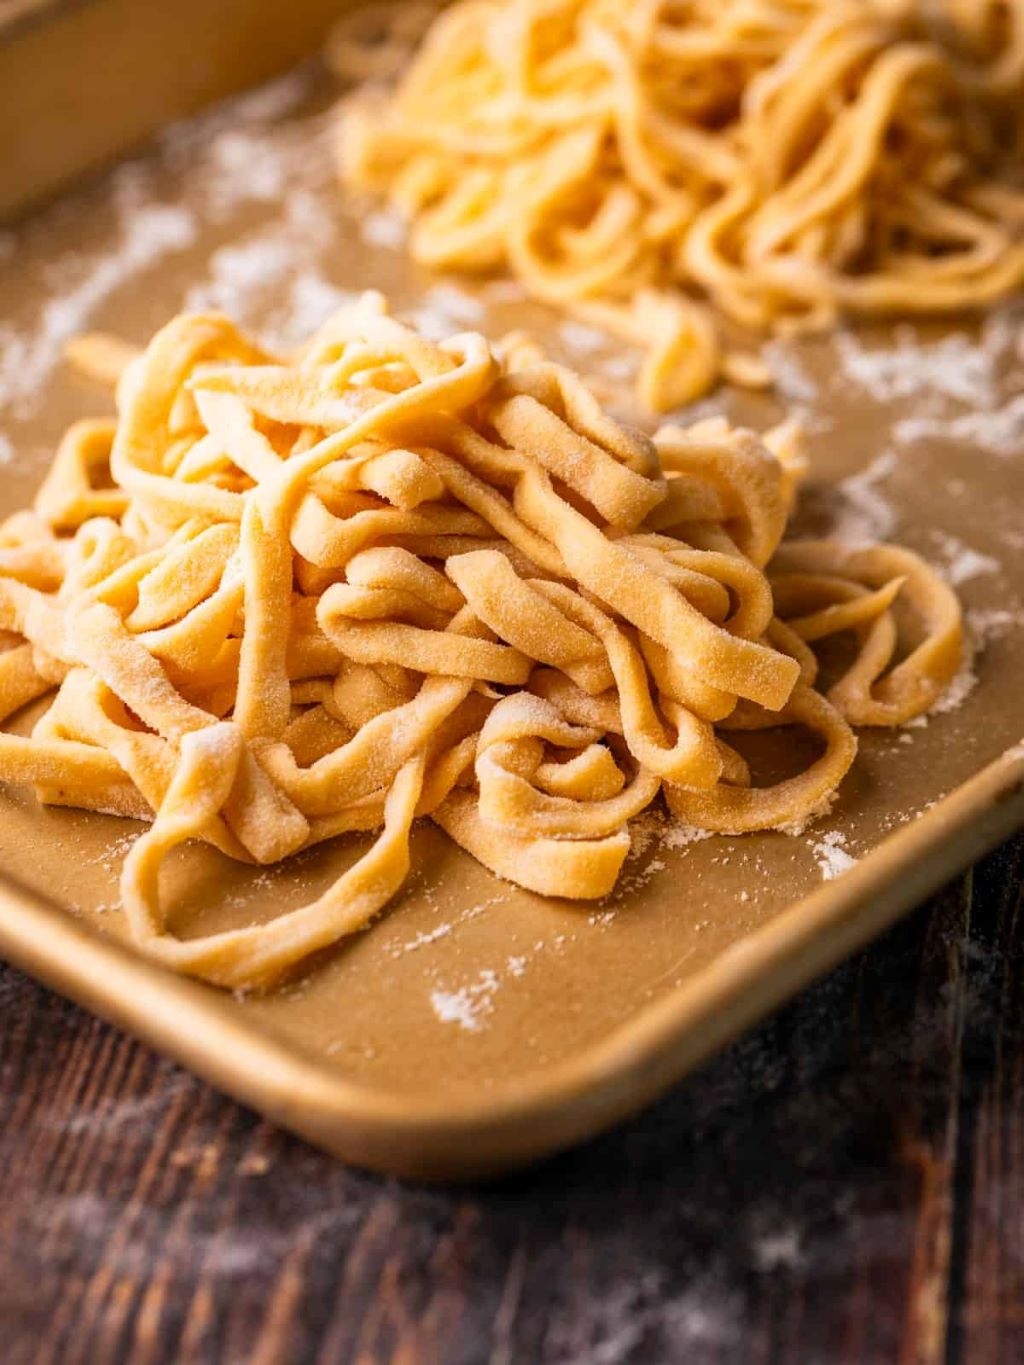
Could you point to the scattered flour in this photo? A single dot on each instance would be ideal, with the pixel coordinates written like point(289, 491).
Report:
point(795, 828)
point(600, 918)
point(469, 1006)
point(791, 380)
point(240, 155)
point(644, 830)
point(383, 228)
point(960, 688)
point(999, 431)
point(311, 302)
point(582, 339)
point(245, 276)
point(681, 836)
point(6, 449)
point(203, 138)
point(954, 367)
point(962, 562)
point(629, 884)
point(422, 940)
point(654, 826)
point(445, 309)
point(865, 514)
point(652, 829)
point(144, 234)
point(983, 625)
point(242, 268)
point(992, 623)
point(236, 154)
point(831, 855)
point(447, 927)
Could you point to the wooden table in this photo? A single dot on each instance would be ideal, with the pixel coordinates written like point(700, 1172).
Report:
point(846, 1184)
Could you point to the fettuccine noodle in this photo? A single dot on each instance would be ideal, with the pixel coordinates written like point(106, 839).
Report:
point(278, 600)
point(786, 161)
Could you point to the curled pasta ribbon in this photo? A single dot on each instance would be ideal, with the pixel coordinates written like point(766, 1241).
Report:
point(854, 590)
point(284, 599)
point(259, 954)
point(586, 795)
point(783, 161)
point(740, 808)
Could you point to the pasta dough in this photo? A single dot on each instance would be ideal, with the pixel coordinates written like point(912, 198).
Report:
point(786, 161)
point(278, 600)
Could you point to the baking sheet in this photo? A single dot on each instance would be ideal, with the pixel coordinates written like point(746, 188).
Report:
point(469, 993)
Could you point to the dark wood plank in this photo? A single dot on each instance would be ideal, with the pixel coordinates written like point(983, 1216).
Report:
point(992, 1155)
point(844, 1185)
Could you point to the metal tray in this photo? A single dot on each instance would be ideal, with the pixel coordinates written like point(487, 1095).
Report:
point(475, 1026)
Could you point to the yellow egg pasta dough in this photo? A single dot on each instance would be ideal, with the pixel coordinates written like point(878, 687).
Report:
point(282, 598)
point(656, 166)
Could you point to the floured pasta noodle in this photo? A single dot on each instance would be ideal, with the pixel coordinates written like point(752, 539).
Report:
point(279, 600)
point(786, 161)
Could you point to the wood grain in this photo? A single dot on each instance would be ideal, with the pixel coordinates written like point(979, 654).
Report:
point(844, 1185)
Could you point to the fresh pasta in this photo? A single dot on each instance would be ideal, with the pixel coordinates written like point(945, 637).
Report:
point(786, 162)
point(278, 600)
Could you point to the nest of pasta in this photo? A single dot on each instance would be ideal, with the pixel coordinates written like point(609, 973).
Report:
point(277, 600)
point(788, 161)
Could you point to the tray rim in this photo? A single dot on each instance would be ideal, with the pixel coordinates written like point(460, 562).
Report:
point(466, 1137)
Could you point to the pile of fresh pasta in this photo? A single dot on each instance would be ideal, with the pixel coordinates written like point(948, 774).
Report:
point(786, 161)
point(280, 600)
